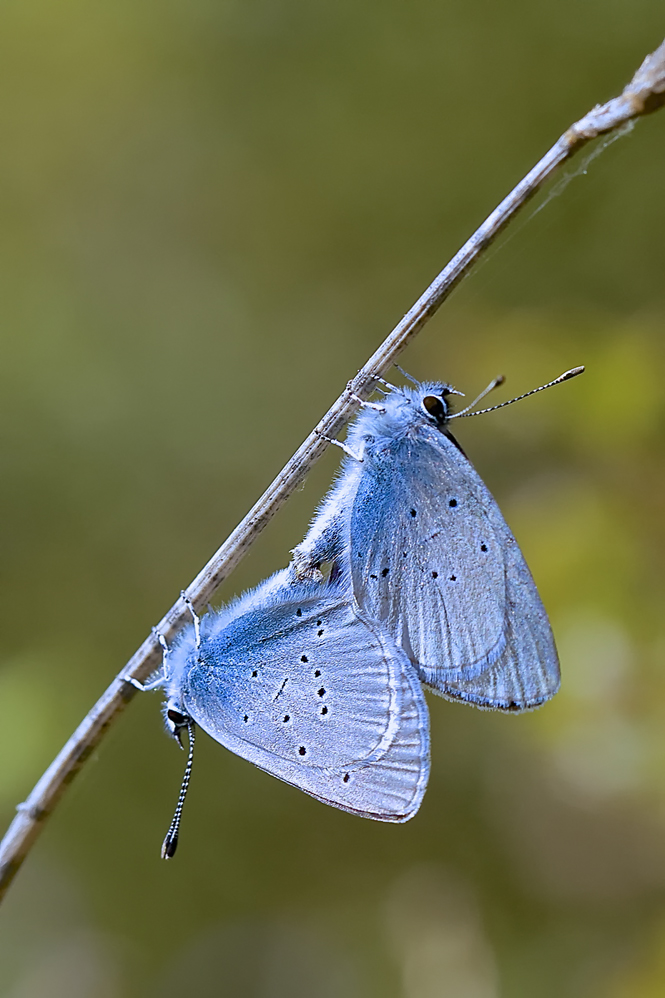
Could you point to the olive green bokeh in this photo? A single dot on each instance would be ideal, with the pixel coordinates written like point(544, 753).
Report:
point(212, 212)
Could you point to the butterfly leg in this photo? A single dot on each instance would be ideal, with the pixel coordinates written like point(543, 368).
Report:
point(386, 384)
point(143, 687)
point(195, 618)
point(162, 641)
point(367, 405)
point(342, 446)
point(158, 678)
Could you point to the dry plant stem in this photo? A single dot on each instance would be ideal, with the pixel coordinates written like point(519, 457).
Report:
point(645, 93)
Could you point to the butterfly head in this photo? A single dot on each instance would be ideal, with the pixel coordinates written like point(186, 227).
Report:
point(433, 403)
point(429, 403)
point(175, 719)
point(402, 411)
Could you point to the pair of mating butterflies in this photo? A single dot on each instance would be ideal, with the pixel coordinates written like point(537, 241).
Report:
point(321, 682)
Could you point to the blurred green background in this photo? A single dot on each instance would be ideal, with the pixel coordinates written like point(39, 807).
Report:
point(211, 213)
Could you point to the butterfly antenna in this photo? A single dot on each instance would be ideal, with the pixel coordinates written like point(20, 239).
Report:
point(170, 843)
point(550, 384)
point(490, 388)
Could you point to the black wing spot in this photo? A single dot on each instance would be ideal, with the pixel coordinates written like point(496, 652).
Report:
point(453, 578)
point(324, 710)
point(435, 575)
point(373, 576)
point(287, 717)
point(321, 692)
point(413, 512)
point(385, 572)
point(318, 623)
point(320, 633)
point(246, 718)
point(453, 502)
point(346, 777)
point(302, 750)
point(255, 674)
point(317, 673)
point(403, 554)
point(298, 612)
point(483, 547)
point(303, 658)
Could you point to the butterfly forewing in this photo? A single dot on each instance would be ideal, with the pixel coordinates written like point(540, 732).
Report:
point(446, 578)
point(433, 558)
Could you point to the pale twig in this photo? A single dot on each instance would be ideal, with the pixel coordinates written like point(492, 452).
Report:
point(645, 93)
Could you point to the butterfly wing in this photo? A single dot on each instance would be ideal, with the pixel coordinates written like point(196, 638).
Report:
point(433, 558)
point(318, 697)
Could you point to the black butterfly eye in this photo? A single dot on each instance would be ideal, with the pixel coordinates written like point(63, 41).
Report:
point(176, 717)
point(435, 406)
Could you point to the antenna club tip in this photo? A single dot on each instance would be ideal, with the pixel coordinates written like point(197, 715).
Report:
point(572, 373)
point(169, 846)
point(499, 381)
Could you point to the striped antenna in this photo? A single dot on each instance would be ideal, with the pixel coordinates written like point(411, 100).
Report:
point(490, 388)
point(550, 384)
point(170, 843)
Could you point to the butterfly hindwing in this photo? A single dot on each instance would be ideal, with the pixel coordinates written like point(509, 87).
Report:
point(312, 693)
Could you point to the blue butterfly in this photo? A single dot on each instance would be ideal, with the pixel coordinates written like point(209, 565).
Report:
point(430, 556)
point(294, 678)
